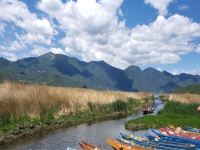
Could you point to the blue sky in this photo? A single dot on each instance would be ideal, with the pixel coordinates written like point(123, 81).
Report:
point(164, 34)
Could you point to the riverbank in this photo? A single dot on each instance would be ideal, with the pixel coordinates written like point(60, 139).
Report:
point(30, 109)
point(175, 114)
point(26, 126)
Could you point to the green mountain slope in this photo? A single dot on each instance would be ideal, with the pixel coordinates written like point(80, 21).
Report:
point(153, 80)
point(4, 62)
point(194, 89)
point(61, 70)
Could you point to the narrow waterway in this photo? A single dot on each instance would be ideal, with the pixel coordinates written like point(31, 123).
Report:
point(95, 133)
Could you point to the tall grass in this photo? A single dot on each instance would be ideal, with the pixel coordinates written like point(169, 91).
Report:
point(36, 101)
point(183, 98)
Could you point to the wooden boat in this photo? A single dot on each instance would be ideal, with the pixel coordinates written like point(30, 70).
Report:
point(122, 146)
point(86, 146)
point(195, 130)
point(174, 144)
point(164, 136)
point(158, 144)
point(148, 110)
point(181, 133)
point(125, 141)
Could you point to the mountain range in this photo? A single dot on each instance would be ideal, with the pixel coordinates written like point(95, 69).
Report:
point(62, 70)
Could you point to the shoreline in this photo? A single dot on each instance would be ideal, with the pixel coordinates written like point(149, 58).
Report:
point(30, 129)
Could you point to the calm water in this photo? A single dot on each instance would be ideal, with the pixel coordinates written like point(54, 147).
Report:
point(95, 133)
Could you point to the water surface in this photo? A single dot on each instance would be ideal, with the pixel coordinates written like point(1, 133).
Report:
point(95, 133)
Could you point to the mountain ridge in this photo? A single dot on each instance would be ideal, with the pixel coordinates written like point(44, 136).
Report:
point(61, 70)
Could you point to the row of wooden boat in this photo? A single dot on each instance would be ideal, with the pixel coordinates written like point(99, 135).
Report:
point(177, 138)
point(166, 138)
point(163, 139)
point(115, 144)
point(153, 142)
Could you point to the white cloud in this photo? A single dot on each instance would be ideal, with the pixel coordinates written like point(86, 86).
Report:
point(16, 46)
point(93, 32)
point(57, 51)
point(198, 49)
point(90, 16)
point(2, 28)
point(187, 71)
point(160, 5)
point(37, 30)
point(40, 50)
point(9, 55)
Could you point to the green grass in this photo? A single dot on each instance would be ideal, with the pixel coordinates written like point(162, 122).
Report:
point(117, 106)
point(95, 112)
point(174, 113)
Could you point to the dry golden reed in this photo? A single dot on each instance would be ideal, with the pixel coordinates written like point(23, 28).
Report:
point(19, 99)
point(184, 98)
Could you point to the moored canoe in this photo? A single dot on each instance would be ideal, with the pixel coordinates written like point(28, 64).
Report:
point(181, 133)
point(122, 146)
point(158, 143)
point(190, 129)
point(165, 136)
point(87, 146)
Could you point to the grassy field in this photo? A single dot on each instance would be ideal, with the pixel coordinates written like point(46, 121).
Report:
point(25, 107)
point(179, 111)
point(182, 98)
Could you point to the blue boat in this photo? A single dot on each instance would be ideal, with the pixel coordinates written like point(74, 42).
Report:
point(156, 138)
point(125, 141)
point(158, 144)
point(195, 130)
point(176, 138)
point(138, 142)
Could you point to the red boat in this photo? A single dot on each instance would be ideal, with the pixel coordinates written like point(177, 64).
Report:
point(181, 133)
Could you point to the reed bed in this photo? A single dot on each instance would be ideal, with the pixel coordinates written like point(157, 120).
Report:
point(183, 98)
point(35, 100)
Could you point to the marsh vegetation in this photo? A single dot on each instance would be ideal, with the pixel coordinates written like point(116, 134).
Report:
point(29, 107)
point(179, 111)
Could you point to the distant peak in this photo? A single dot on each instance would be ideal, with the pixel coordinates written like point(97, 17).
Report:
point(102, 61)
point(49, 54)
point(133, 67)
point(99, 62)
point(151, 69)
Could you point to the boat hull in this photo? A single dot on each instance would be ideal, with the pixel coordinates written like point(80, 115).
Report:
point(122, 146)
point(86, 146)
